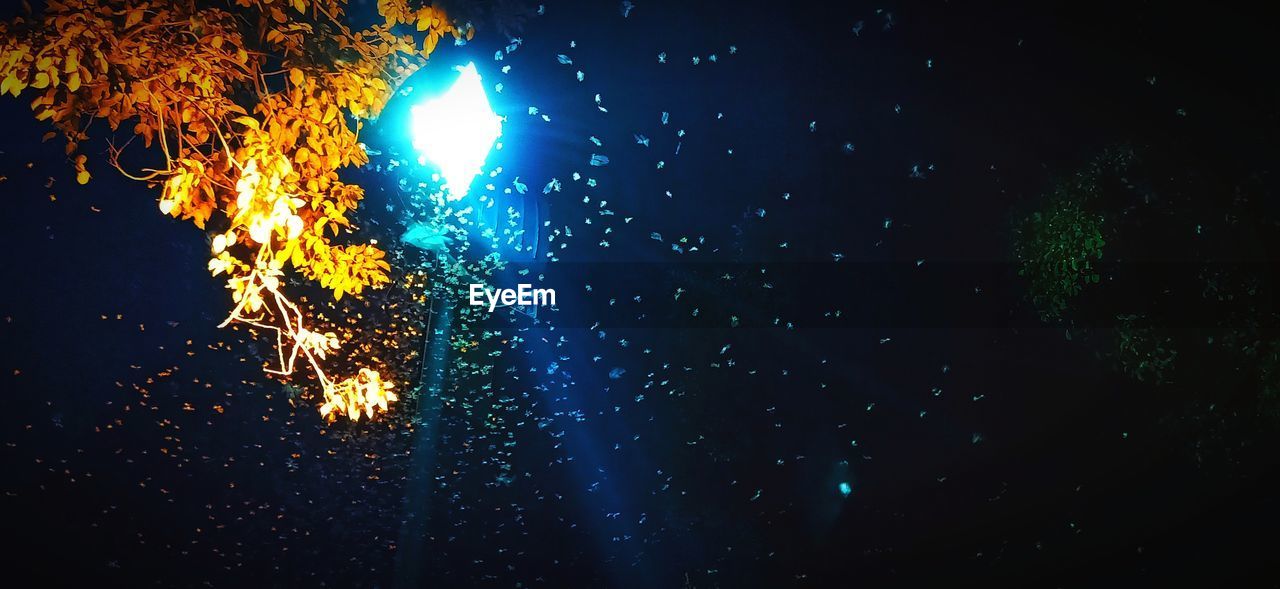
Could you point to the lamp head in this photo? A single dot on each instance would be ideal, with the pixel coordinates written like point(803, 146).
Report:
point(456, 130)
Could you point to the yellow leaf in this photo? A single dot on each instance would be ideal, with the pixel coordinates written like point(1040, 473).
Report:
point(248, 122)
point(135, 16)
point(73, 84)
point(295, 76)
point(217, 266)
point(285, 253)
point(83, 177)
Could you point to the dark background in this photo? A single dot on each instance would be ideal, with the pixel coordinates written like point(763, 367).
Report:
point(983, 452)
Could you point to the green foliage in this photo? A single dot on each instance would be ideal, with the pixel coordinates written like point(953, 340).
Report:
point(1056, 250)
point(1258, 355)
point(1057, 246)
point(1142, 353)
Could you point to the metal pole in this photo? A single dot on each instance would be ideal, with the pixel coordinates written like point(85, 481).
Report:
point(410, 551)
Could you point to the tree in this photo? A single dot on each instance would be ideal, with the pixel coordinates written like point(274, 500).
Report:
point(1180, 234)
point(1058, 245)
point(254, 106)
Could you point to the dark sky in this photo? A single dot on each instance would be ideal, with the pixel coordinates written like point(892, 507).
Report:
point(978, 444)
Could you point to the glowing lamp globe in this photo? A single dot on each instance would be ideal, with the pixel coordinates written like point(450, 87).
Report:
point(456, 130)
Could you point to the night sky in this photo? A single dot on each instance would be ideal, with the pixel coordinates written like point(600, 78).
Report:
point(852, 388)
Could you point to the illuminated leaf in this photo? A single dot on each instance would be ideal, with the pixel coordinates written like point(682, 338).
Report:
point(197, 82)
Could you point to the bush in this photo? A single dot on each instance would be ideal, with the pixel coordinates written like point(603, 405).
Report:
point(1057, 247)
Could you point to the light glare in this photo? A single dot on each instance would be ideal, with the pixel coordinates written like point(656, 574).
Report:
point(456, 131)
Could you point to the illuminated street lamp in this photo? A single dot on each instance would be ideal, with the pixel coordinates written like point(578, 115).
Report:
point(456, 131)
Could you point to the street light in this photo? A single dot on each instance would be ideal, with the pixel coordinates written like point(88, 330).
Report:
point(456, 131)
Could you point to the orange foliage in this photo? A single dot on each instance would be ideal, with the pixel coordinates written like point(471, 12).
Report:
point(255, 105)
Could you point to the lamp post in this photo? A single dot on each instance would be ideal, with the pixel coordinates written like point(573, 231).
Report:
point(454, 132)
